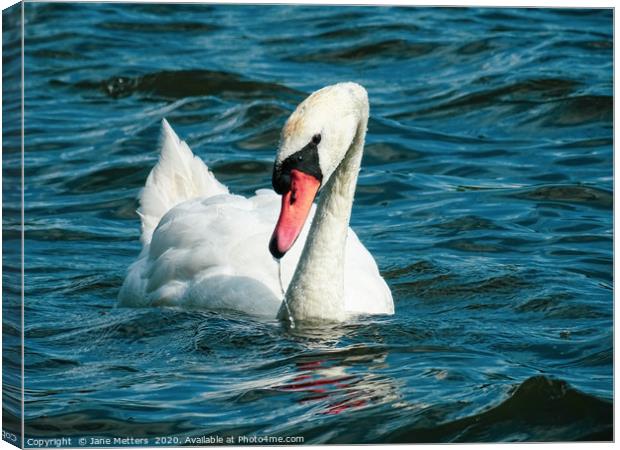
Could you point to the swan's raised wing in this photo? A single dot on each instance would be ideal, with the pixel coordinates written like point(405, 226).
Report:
point(177, 177)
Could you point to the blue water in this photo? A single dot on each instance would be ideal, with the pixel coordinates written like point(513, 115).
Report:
point(485, 197)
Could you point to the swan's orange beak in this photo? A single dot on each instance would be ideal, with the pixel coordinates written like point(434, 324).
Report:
point(296, 203)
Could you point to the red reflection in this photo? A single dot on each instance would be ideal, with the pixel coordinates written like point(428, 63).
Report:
point(323, 382)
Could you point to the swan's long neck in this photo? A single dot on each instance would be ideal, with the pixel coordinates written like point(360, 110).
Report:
point(316, 291)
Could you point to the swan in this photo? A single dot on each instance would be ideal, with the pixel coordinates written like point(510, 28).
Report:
point(205, 248)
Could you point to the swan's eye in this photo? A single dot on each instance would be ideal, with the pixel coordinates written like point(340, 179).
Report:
point(300, 158)
point(316, 139)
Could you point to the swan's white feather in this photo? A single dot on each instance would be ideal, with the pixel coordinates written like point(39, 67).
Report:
point(177, 177)
point(208, 249)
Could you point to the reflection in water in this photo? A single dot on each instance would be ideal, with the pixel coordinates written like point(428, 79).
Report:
point(331, 379)
point(338, 384)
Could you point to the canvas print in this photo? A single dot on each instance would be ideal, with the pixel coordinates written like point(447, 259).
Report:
point(306, 224)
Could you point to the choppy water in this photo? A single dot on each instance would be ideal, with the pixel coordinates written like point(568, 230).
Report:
point(485, 196)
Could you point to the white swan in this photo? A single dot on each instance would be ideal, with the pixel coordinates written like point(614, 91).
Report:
point(205, 248)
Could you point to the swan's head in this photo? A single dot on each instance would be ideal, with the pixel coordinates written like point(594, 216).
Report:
point(314, 140)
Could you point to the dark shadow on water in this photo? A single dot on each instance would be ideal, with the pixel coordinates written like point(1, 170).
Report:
point(185, 83)
point(540, 409)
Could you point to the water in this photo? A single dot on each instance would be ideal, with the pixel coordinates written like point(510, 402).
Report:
point(485, 197)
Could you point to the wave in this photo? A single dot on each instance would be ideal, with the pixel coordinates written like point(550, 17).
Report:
point(176, 84)
point(539, 409)
point(159, 27)
point(392, 48)
point(569, 193)
point(531, 91)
